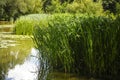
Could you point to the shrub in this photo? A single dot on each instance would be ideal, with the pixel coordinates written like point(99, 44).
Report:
point(76, 6)
point(85, 6)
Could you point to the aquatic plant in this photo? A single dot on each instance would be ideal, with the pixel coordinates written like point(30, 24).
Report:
point(84, 44)
point(24, 25)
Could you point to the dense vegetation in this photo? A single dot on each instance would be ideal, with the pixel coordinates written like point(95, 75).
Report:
point(77, 36)
point(83, 44)
point(25, 24)
point(12, 9)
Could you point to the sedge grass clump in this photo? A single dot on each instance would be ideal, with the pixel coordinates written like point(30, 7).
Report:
point(24, 25)
point(96, 47)
point(55, 47)
point(84, 44)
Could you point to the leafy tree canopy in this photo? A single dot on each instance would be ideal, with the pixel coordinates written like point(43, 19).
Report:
point(11, 9)
point(15, 8)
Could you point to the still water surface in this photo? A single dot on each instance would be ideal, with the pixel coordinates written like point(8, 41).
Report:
point(18, 60)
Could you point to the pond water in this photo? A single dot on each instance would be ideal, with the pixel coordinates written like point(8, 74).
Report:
point(18, 60)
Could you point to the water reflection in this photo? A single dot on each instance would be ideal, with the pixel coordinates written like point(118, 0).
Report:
point(27, 71)
point(13, 52)
point(19, 61)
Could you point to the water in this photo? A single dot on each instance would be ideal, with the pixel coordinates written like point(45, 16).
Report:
point(26, 71)
point(18, 60)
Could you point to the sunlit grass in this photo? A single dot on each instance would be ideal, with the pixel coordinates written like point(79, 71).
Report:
point(24, 25)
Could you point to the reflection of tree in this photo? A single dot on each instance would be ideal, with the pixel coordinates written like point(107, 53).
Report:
point(13, 55)
point(2, 76)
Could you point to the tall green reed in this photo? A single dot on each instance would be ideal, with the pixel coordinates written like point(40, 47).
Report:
point(25, 24)
point(58, 53)
point(84, 44)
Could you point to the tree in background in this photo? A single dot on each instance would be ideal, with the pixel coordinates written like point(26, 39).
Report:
point(11, 9)
point(76, 6)
point(2, 4)
point(81, 6)
point(85, 6)
point(14, 8)
point(111, 5)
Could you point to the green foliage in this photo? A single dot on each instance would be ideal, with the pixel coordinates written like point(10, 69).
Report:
point(84, 44)
point(111, 5)
point(83, 6)
point(56, 7)
point(118, 8)
point(58, 53)
point(10, 11)
point(24, 25)
point(53, 6)
point(14, 8)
